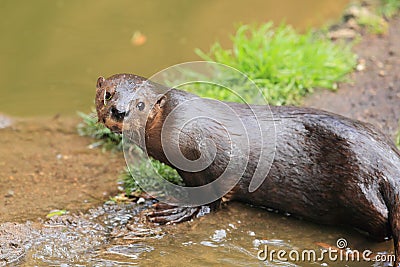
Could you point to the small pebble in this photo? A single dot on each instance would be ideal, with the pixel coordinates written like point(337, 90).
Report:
point(141, 201)
point(219, 235)
point(10, 193)
point(352, 24)
point(361, 65)
point(342, 34)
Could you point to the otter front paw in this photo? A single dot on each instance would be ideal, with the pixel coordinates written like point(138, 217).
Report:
point(168, 214)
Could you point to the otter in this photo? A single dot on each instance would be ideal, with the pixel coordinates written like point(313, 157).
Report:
point(327, 168)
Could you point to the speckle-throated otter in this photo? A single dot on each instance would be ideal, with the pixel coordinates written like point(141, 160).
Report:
point(327, 168)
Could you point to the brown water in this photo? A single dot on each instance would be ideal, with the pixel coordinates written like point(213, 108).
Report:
point(52, 51)
point(230, 237)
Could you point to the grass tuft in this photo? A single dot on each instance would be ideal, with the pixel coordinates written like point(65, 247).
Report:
point(374, 15)
point(389, 8)
point(144, 173)
point(284, 64)
point(373, 23)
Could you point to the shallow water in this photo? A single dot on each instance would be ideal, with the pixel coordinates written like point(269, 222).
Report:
point(229, 237)
point(51, 52)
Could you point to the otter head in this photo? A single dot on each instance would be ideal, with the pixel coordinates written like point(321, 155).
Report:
point(113, 96)
point(145, 112)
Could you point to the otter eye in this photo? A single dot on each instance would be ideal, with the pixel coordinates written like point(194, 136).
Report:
point(107, 97)
point(140, 106)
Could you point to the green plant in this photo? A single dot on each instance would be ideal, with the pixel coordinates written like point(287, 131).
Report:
point(372, 17)
point(398, 138)
point(145, 174)
point(389, 8)
point(107, 140)
point(284, 64)
point(56, 213)
point(372, 22)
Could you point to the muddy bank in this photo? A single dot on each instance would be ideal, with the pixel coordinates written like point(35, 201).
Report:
point(373, 95)
point(45, 165)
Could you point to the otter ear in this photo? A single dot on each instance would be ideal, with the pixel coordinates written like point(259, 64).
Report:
point(161, 99)
point(100, 81)
point(158, 105)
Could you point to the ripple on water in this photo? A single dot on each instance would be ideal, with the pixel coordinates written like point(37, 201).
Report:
point(132, 251)
point(115, 235)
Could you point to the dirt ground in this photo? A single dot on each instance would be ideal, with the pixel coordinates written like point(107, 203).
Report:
point(373, 95)
point(45, 165)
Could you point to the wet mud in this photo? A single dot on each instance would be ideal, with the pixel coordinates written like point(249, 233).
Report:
point(45, 166)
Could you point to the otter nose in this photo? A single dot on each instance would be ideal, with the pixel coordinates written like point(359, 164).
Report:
point(116, 114)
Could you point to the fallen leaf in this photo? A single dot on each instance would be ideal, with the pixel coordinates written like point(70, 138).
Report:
point(138, 38)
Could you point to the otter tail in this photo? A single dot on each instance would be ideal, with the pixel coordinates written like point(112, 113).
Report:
point(391, 195)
